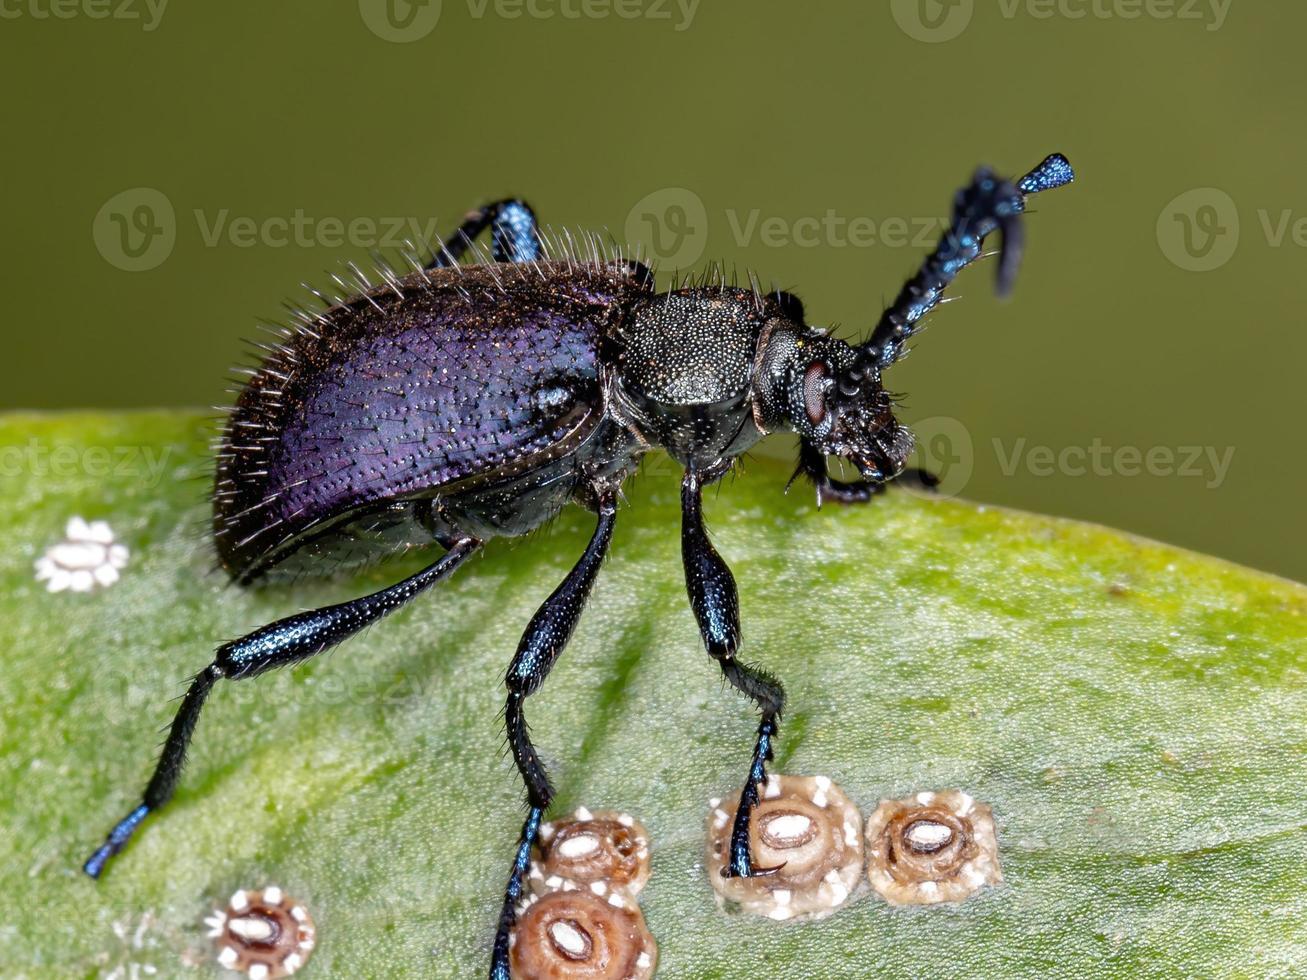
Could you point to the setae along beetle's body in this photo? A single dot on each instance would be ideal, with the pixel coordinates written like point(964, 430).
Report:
point(464, 402)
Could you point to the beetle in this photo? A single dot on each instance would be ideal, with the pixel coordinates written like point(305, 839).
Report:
point(465, 401)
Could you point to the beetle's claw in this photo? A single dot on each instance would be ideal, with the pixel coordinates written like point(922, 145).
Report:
point(798, 472)
point(751, 872)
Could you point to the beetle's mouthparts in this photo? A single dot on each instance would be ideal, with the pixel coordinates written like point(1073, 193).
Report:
point(888, 454)
point(876, 468)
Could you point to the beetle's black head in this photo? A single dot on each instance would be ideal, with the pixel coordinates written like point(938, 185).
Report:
point(837, 402)
point(831, 394)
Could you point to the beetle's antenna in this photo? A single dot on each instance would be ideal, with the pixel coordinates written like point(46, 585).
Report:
point(989, 203)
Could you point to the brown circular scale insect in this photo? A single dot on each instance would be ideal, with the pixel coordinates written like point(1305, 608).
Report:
point(263, 934)
point(456, 402)
point(603, 846)
point(931, 847)
point(808, 832)
point(576, 934)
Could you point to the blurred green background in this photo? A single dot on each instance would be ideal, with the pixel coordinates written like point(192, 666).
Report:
point(174, 170)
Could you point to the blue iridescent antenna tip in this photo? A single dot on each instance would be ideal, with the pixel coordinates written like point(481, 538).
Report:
point(1053, 172)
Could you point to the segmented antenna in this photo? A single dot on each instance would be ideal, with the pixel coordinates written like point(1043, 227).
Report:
point(988, 203)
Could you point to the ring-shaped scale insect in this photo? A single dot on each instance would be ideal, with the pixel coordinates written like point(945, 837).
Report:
point(464, 401)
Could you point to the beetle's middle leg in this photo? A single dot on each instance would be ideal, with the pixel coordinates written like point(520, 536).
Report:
point(514, 234)
point(545, 637)
point(716, 606)
point(812, 464)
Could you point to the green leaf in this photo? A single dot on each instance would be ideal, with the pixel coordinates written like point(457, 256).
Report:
point(1132, 712)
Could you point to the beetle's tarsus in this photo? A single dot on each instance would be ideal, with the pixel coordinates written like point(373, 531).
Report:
point(919, 478)
point(499, 959)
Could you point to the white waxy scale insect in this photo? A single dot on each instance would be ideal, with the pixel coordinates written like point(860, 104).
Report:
point(87, 557)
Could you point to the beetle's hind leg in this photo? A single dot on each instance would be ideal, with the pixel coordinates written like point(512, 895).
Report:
point(514, 234)
point(813, 465)
point(541, 644)
point(716, 606)
point(279, 644)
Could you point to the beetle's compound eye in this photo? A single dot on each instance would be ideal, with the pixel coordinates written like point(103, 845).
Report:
point(815, 383)
point(264, 934)
point(576, 935)
point(589, 848)
point(805, 825)
point(932, 847)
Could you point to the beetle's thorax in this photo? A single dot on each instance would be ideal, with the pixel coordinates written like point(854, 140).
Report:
point(685, 378)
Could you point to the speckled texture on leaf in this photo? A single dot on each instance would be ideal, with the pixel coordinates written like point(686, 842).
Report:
point(1133, 713)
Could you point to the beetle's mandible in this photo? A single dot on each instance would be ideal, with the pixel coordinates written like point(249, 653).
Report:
point(460, 402)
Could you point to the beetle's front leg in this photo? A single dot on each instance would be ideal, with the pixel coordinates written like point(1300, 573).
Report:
point(542, 643)
point(813, 465)
point(716, 606)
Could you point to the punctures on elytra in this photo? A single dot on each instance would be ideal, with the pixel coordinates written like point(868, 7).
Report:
point(588, 847)
point(931, 847)
point(264, 934)
point(808, 829)
point(577, 933)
